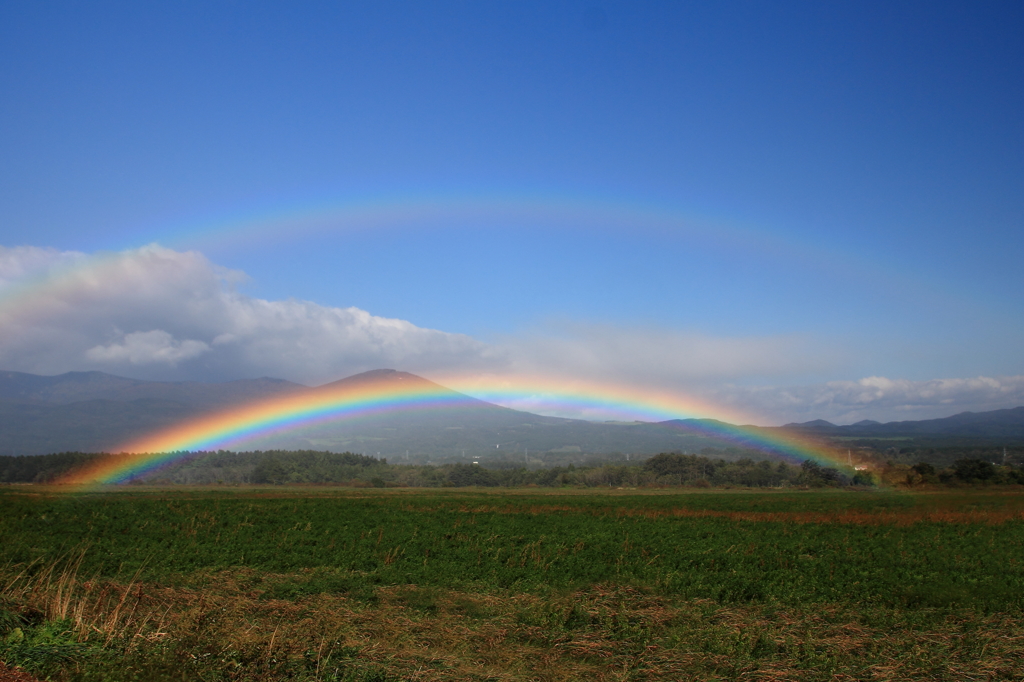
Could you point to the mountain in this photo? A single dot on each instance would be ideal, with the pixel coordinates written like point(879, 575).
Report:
point(816, 425)
point(85, 426)
point(74, 387)
point(93, 411)
point(465, 426)
point(995, 424)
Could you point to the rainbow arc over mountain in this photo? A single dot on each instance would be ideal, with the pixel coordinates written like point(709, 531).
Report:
point(54, 293)
point(386, 391)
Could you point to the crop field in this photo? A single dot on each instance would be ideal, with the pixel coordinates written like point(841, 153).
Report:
point(329, 584)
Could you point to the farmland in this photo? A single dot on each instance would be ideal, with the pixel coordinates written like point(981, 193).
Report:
point(322, 583)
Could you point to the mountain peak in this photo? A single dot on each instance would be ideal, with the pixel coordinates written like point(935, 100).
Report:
point(815, 424)
point(378, 376)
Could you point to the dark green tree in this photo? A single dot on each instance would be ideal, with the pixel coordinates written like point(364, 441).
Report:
point(270, 470)
point(924, 468)
point(974, 470)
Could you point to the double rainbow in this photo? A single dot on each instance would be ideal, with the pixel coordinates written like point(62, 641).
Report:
point(55, 294)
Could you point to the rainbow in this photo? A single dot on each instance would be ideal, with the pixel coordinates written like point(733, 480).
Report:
point(56, 289)
point(55, 294)
point(481, 210)
point(391, 392)
point(677, 411)
point(309, 218)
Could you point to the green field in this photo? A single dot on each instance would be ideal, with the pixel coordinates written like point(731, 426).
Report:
point(471, 584)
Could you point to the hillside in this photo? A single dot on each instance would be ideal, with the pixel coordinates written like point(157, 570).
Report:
point(93, 411)
point(74, 387)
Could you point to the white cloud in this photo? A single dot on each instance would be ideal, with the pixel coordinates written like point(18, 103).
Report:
point(157, 313)
point(663, 358)
point(21, 263)
point(161, 314)
point(143, 348)
point(878, 398)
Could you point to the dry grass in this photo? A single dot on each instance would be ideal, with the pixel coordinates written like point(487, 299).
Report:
point(100, 611)
point(602, 633)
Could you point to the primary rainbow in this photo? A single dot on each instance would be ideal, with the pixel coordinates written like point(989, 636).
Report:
point(398, 392)
point(677, 411)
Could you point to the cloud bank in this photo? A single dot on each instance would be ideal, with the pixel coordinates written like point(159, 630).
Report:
point(662, 357)
point(162, 314)
point(877, 398)
point(156, 313)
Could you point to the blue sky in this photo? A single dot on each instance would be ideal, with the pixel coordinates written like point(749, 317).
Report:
point(753, 201)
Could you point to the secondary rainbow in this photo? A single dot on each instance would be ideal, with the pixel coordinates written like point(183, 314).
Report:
point(56, 290)
point(234, 428)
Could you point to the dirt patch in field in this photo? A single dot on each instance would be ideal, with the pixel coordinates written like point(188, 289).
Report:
point(867, 518)
point(902, 517)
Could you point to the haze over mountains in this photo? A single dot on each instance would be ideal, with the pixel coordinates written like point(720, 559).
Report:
point(94, 411)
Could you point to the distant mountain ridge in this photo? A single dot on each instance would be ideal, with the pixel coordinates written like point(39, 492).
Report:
point(94, 411)
point(73, 387)
point(992, 424)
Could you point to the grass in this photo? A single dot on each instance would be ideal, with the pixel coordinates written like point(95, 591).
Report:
point(438, 585)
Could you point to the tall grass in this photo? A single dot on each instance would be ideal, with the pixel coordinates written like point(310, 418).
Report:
point(57, 621)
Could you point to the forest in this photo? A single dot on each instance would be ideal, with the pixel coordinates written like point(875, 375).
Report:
point(710, 469)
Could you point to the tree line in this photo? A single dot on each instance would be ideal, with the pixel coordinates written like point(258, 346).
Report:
point(308, 467)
